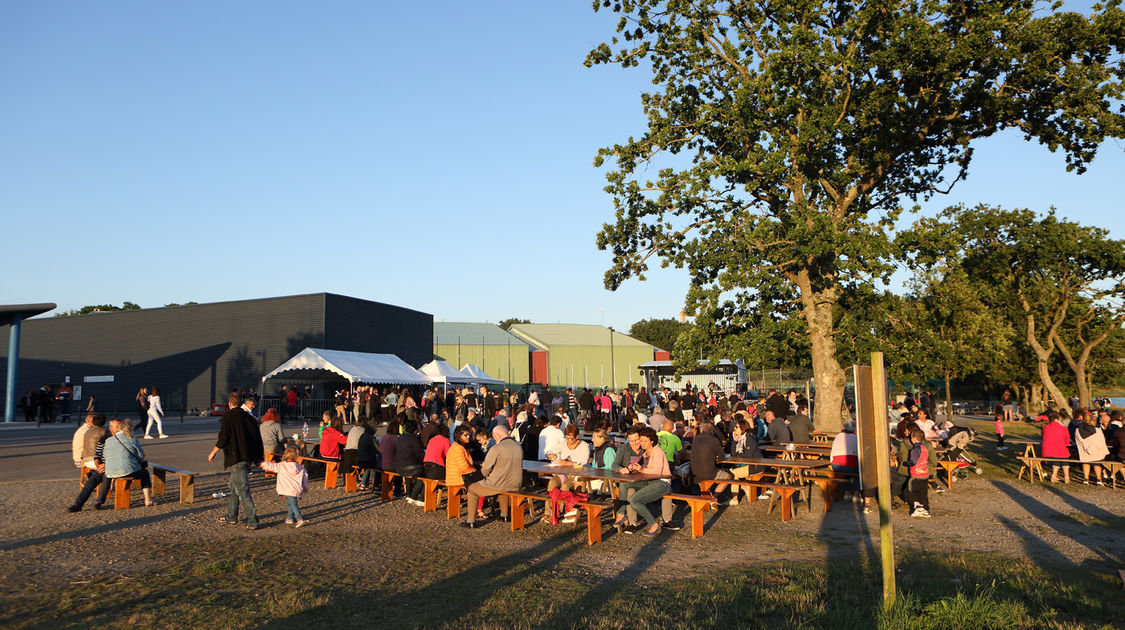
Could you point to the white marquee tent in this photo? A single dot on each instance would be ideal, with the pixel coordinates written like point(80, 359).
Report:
point(440, 371)
point(475, 374)
point(355, 367)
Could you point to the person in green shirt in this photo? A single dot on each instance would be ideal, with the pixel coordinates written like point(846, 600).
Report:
point(669, 442)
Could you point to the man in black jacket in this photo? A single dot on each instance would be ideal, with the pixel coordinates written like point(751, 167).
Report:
point(240, 440)
point(409, 455)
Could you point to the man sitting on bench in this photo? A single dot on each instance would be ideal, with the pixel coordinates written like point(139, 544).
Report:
point(502, 470)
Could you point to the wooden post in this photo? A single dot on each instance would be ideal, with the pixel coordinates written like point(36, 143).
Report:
point(883, 464)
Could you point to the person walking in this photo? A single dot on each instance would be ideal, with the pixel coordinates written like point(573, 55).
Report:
point(155, 414)
point(241, 443)
point(142, 407)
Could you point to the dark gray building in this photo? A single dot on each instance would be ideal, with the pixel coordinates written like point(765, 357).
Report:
point(197, 354)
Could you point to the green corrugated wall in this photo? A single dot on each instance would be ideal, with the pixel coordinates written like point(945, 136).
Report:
point(591, 365)
point(492, 359)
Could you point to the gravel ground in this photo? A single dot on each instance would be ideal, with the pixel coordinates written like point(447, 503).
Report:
point(43, 545)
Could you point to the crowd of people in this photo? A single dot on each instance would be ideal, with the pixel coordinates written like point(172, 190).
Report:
point(479, 438)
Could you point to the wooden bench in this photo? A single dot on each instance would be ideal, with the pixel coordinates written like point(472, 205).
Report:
point(187, 482)
point(698, 505)
point(949, 468)
point(1034, 465)
point(430, 498)
point(453, 501)
point(593, 509)
point(331, 472)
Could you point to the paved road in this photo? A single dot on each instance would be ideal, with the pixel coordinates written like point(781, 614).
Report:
point(30, 453)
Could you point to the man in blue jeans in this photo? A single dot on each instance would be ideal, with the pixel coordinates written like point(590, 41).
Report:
point(241, 443)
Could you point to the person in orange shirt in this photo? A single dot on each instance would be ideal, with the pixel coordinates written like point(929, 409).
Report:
point(458, 462)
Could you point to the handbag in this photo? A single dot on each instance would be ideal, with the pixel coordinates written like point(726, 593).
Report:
point(473, 477)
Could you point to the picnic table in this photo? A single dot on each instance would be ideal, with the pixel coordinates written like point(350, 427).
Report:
point(822, 437)
point(588, 472)
point(806, 451)
point(1030, 464)
point(788, 470)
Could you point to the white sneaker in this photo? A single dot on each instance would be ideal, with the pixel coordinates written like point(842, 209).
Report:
point(162, 436)
point(733, 501)
point(920, 513)
point(299, 523)
point(764, 496)
point(148, 437)
point(289, 521)
point(571, 513)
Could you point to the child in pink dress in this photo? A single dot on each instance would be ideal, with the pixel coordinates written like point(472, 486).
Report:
point(999, 425)
point(292, 482)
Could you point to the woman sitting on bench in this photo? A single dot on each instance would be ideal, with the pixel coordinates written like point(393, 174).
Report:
point(653, 461)
point(123, 457)
point(1091, 446)
point(1056, 444)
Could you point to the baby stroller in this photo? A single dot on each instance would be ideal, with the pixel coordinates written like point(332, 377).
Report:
point(957, 441)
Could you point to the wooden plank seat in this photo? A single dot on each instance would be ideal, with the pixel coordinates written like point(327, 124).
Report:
point(453, 501)
point(331, 471)
point(1034, 465)
point(517, 501)
point(187, 481)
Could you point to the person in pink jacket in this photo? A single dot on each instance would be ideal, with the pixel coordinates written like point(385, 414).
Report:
point(1056, 444)
point(292, 482)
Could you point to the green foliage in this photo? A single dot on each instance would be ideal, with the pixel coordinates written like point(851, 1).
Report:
point(99, 308)
point(177, 304)
point(782, 137)
point(1060, 285)
point(508, 323)
point(661, 333)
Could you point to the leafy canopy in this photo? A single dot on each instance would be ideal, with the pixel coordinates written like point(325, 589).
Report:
point(782, 136)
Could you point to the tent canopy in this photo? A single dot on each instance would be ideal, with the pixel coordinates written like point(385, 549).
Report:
point(355, 367)
point(442, 372)
point(475, 374)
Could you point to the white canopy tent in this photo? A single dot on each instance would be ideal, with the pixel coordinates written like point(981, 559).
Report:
point(355, 367)
point(442, 372)
point(475, 374)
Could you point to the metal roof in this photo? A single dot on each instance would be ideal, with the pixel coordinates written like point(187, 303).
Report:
point(8, 312)
point(547, 335)
point(737, 363)
point(474, 333)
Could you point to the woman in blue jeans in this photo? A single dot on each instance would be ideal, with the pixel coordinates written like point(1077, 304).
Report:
point(653, 461)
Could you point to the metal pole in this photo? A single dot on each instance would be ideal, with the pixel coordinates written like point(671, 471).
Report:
point(13, 361)
point(882, 461)
point(612, 364)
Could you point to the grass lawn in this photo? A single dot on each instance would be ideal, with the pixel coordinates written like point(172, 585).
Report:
point(256, 583)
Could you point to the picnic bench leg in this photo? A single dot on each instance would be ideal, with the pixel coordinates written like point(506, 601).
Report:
point(515, 512)
point(453, 501)
point(330, 471)
point(593, 524)
point(158, 478)
point(187, 488)
point(385, 487)
point(121, 488)
point(429, 503)
point(786, 504)
point(350, 481)
point(697, 510)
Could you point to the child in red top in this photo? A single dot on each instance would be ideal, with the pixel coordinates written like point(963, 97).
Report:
point(999, 425)
point(917, 490)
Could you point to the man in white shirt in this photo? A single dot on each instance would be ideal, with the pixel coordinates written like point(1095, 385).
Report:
point(551, 439)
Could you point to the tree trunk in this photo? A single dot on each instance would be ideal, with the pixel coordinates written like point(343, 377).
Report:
point(829, 411)
point(1043, 357)
point(1035, 400)
point(948, 400)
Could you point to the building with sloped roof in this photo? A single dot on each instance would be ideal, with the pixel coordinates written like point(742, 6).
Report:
point(583, 355)
point(499, 353)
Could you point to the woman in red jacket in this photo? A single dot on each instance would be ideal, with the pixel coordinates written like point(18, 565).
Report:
point(333, 439)
point(1056, 443)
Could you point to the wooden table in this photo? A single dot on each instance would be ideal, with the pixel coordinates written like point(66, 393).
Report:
point(788, 470)
point(822, 437)
point(589, 472)
point(806, 451)
point(1028, 451)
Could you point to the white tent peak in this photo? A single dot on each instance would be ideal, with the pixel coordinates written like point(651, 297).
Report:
point(355, 367)
point(475, 374)
point(442, 372)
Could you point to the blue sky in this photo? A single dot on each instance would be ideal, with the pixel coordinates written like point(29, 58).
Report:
point(436, 156)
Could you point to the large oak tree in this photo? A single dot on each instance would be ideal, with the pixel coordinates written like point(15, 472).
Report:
point(783, 136)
